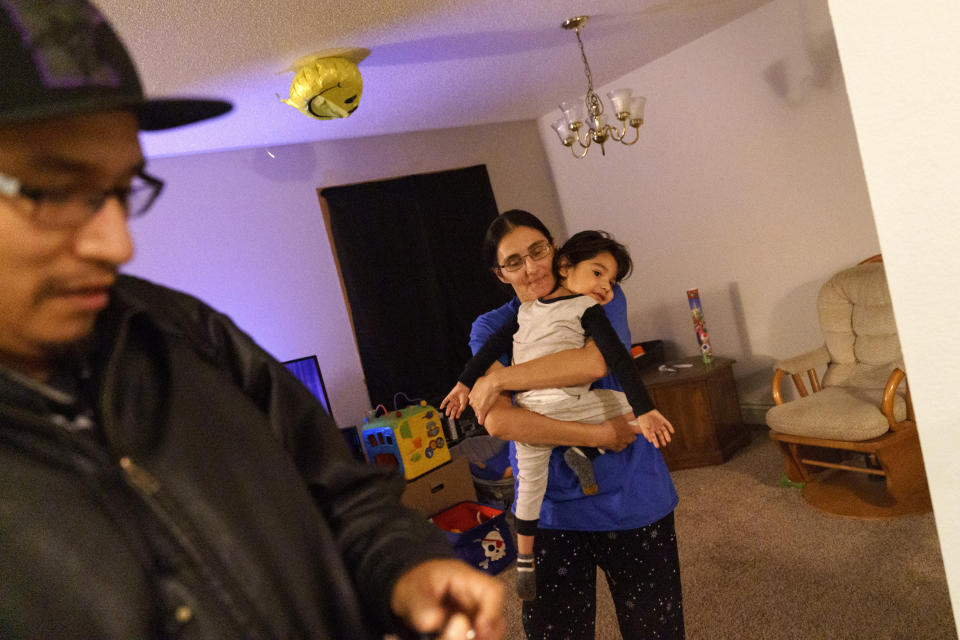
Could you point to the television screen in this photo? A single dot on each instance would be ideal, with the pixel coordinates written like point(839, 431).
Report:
point(308, 371)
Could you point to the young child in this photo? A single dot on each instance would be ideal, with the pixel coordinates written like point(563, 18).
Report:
point(587, 267)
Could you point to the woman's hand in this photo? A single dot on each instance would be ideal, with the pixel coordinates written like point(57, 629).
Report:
point(485, 392)
point(456, 400)
point(654, 427)
point(622, 433)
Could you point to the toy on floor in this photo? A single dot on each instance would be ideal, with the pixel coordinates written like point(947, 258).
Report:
point(409, 439)
point(786, 482)
point(479, 535)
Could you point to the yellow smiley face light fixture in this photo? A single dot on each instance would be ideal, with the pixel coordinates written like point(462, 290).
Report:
point(327, 84)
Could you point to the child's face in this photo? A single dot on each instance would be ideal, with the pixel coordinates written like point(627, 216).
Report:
point(592, 277)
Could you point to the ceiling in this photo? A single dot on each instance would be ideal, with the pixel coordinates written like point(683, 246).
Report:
point(433, 63)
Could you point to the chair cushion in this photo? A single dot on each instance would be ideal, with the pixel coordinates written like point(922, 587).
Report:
point(862, 376)
point(856, 318)
point(835, 413)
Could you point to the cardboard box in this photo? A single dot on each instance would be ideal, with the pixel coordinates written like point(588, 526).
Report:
point(479, 534)
point(440, 488)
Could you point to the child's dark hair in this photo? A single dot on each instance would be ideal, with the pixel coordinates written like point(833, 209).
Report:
point(588, 244)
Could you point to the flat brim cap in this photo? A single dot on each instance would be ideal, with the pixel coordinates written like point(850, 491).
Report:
point(61, 57)
point(166, 113)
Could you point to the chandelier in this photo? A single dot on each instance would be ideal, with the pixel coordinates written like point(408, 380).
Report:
point(584, 122)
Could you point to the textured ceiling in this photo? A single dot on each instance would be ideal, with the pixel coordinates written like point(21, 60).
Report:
point(433, 63)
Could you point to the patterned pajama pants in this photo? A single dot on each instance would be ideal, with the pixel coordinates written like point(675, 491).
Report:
point(642, 568)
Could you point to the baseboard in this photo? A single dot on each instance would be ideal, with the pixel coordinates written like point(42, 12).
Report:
point(754, 413)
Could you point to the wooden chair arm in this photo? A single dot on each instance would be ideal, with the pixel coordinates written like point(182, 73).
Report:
point(777, 381)
point(890, 394)
point(797, 382)
point(796, 365)
point(805, 363)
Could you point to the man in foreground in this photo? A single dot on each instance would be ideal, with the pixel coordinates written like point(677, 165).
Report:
point(160, 474)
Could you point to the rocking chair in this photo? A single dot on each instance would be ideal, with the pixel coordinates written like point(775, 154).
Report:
point(852, 442)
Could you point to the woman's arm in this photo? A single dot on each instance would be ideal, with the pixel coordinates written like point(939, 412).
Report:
point(508, 422)
point(513, 423)
point(566, 368)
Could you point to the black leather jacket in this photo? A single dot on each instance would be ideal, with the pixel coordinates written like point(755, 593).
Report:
point(219, 502)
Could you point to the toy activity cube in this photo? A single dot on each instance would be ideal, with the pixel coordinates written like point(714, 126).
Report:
point(409, 439)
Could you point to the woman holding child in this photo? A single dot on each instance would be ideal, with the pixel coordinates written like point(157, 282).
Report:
point(626, 528)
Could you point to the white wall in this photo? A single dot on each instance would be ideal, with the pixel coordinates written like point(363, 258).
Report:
point(906, 125)
point(747, 188)
point(244, 232)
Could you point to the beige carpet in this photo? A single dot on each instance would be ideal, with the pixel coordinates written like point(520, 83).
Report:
point(759, 563)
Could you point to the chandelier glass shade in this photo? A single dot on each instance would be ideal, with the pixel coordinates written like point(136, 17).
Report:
point(584, 123)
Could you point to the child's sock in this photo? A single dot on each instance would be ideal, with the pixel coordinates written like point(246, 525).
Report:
point(526, 577)
point(581, 465)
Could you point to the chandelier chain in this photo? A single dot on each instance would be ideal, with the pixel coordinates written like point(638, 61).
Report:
point(593, 102)
point(586, 65)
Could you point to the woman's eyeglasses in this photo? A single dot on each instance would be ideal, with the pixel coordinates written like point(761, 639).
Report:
point(537, 251)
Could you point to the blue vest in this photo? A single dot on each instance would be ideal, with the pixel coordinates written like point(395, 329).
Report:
point(635, 486)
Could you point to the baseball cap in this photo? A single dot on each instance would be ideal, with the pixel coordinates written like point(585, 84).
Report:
point(62, 57)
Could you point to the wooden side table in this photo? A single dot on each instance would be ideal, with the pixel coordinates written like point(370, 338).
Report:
point(701, 402)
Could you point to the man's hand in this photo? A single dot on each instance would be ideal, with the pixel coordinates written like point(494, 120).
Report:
point(484, 393)
point(456, 400)
point(451, 599)
point(654, 427)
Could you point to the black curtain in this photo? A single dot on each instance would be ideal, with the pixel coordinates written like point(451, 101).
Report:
point(410, 256)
